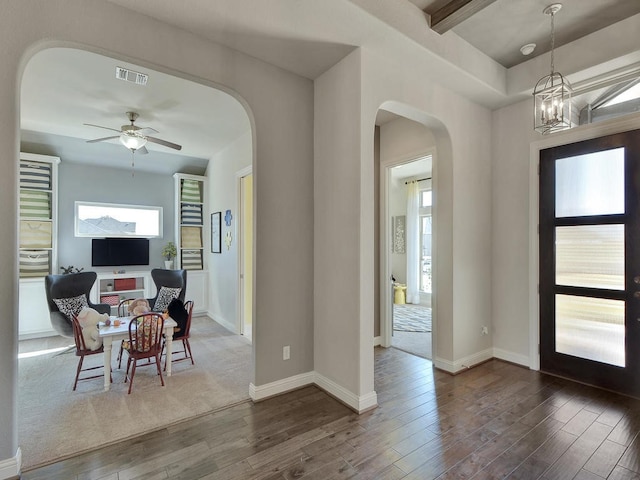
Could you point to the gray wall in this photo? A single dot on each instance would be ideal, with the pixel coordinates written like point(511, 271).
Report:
point(109, 185)
point(280, 105)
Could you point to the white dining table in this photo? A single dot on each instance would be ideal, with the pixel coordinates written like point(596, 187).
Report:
point(111, 333)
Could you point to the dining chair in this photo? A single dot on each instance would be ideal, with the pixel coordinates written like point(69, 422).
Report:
point(145, 343)
point(123, 311)
point(183, 335)
point(123, 307)
point(82, 351)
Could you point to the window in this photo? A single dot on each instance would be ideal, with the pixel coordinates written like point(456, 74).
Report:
point(112, 220)
point(426, 202)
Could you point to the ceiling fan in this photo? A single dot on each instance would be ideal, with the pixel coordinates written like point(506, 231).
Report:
point(133, 137)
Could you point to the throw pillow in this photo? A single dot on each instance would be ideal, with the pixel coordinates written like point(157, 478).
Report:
point(71, 306)
point(165, 295)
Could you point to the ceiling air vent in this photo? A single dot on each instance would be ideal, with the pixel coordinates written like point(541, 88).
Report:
point(131, 76)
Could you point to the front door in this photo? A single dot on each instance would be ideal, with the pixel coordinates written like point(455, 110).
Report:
point(590, 261)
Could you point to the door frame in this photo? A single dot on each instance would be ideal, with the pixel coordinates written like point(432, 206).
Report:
point(577, 134)
point(386, 304)
point(240, 174)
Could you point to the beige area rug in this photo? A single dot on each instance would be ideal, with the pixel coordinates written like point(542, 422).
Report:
point(55, 422)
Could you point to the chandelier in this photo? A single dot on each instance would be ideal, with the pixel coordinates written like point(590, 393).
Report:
point(552, 93)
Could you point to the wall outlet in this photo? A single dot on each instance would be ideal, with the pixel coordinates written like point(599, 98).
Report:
point(485, 330)
point(286, 352)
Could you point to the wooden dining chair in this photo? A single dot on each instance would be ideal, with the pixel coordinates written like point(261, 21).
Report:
point(183, 335)
point(123, 307)
point(83, 351)
point(145, 343)
point(123, 311)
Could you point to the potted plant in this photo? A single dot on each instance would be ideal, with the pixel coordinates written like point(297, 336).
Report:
point(169, 252)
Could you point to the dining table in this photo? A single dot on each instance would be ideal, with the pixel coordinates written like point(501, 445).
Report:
point(110, 333)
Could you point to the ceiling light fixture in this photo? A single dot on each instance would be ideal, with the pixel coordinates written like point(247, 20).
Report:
point(528, 48)
point(132, 140)
point(552, 93)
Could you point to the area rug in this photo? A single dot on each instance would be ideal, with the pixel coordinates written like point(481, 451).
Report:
point(55, 422)
point(411, 318)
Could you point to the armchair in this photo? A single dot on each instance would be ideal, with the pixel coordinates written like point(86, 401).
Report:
point(170, 279)
point(69, 286)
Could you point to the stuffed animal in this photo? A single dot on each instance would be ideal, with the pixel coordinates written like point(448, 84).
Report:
point(139, 306)
point(88, 319)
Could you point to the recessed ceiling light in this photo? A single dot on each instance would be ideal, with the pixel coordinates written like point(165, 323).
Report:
point(528, 48)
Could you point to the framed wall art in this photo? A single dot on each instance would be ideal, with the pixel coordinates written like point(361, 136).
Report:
point(216, 232)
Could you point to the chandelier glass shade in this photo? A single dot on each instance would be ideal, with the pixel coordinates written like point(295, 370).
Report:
point(552, 93)
point(132, 141)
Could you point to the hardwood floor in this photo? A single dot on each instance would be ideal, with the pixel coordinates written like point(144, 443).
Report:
point(494, 421)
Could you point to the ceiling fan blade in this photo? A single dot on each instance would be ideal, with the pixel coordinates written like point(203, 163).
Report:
point(175, 146)
point(142, 151)
point(100, 126)
point(148, 129)
point(102, 139)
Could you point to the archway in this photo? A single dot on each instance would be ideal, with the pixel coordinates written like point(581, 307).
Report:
point(119, 185)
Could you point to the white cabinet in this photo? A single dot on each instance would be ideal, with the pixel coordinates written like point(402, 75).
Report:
point(111, 288)
point(34, 312)
point(38, 234)
point(197, 290)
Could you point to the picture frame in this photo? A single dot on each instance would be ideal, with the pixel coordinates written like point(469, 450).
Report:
point(216, 232)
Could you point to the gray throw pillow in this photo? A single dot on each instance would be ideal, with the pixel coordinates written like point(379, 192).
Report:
point(165, 295)
point(71, 306)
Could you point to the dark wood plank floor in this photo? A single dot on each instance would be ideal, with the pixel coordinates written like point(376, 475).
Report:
point(494, 421)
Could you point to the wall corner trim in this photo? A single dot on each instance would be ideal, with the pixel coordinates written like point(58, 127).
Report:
point(262, 392)
point(463, 363)
point(358, 403)
point(10, 468)
point(511, 357)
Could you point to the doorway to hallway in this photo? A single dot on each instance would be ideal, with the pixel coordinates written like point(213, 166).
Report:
point(412, 329)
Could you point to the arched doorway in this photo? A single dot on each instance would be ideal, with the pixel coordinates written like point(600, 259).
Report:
point(104, 172)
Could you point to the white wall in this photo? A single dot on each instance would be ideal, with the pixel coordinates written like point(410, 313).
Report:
point(223, 196)
point(337, 202)
point(512, 134)
point(402, 140)
point(514, 203)
point(280, 106)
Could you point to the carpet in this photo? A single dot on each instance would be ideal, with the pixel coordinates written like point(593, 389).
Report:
point(411, 318)
point(55, 422)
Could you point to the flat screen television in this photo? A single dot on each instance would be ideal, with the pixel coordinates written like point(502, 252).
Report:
point(115, 252)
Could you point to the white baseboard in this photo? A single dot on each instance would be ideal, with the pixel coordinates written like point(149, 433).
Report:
point(280, 386)
point(463, 363)
point(10, 468)
point(511, 357)
point(359, 404)
point(222, 321)
point(377, 341)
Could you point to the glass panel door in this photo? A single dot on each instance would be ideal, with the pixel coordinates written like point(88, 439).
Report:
point(590, 262)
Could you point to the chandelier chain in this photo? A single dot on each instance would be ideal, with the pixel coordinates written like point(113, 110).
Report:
point(553, 41)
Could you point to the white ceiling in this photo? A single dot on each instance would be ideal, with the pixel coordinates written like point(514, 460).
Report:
point(64, 88)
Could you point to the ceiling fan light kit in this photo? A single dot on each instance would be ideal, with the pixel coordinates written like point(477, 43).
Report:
point(552, 93)
point(132, 141)
point(132, 136)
